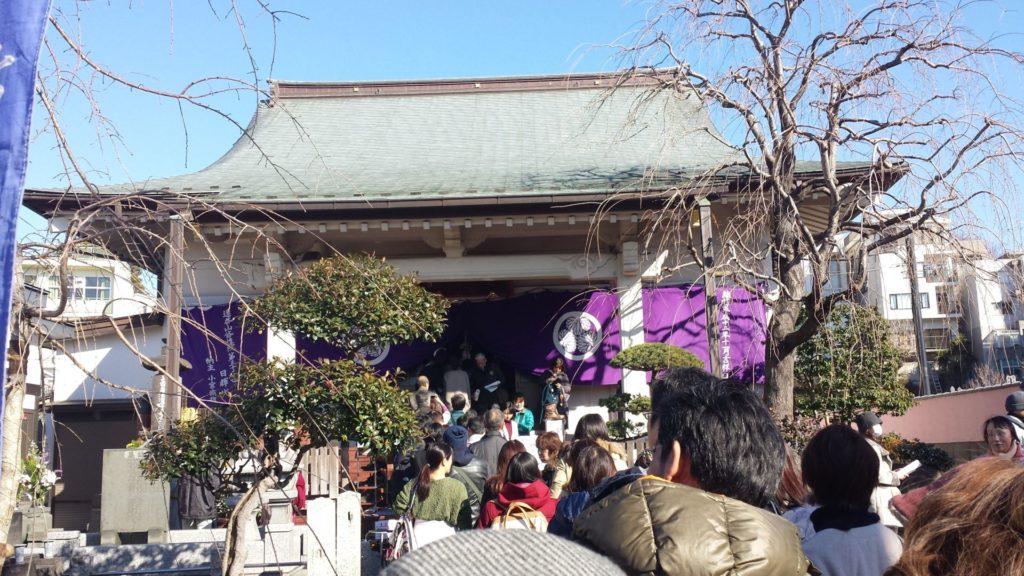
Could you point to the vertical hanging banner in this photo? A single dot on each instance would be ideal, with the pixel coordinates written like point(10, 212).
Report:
point(22, 23)
point(215, 340)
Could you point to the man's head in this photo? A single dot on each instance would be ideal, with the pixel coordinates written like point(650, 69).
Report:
point(493, 419)
point(717, 435)
point(459, 402)
point(481, 360)
point(1015, 404)
point(476, 425)
point(675, 379)
point(519, 402)
point(422, 382)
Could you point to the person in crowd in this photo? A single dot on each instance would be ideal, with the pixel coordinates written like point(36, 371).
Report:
point(437, 504)
point(717, 463)
point(553, 395)
point(197, 502)
point(460, 403)
point(1015, 412)
point(522, 485)
point(488, 384)
point(488, 447)
point(522, 416)
point(840, 535)
point(466, 467)
point(509, 430)
point(432, 433)
point(1001, 439)
point(492, 487)
point(870, 427)
point(437, 407)
point(593, 427)
point(591, 464)
point(456, 381)
point(475, 425)
point(420, 398)
point(556, 471)
point(792, 491)
point(971, 526)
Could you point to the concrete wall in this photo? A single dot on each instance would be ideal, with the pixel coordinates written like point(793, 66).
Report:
point(954, 417)
point(108, 358)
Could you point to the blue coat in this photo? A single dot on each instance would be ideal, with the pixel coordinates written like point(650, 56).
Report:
point(568, 509)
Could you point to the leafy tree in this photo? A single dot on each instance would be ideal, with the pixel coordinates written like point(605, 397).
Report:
point(646, 357)
point(955, 362)
point(655, 356)
point(351, 302)
point(849, 366)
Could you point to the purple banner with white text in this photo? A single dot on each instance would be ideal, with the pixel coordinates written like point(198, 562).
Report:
point(214, 340)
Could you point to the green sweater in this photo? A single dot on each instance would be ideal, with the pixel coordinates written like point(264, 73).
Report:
point(448, 502)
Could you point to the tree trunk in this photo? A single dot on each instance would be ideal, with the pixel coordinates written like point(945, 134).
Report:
point(236, 539)
point(779, 384)
point(10, 457)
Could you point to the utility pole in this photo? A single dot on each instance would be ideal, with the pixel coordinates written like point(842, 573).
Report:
point(710, 286)
point(925, 386)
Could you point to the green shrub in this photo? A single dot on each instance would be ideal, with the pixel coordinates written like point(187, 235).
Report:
point(655, 356)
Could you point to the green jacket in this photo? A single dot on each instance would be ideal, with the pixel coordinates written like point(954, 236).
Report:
point(525, 421)
point(448, 502)
point(653, 526)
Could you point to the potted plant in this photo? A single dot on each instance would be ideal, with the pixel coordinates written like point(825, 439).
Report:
point(34, 486)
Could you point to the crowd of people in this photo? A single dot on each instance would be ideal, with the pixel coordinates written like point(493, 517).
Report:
point(721, 493)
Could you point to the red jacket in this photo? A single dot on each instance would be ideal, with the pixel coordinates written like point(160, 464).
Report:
point(535, 495)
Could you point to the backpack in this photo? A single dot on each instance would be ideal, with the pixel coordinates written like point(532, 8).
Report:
point(520, 516)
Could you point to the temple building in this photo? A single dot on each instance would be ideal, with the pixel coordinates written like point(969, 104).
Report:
point(543, 206)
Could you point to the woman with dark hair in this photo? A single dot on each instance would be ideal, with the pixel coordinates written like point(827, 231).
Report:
point(591, 464)
point(492, 487)
point(1001, 439)
point(437, 504)
point(523, 494)
point(593, 427)
point(840, 535)
point(792, 492)
point(971, 526)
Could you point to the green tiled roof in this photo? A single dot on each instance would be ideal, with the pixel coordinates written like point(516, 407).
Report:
point(460, 144)
point(514, 137)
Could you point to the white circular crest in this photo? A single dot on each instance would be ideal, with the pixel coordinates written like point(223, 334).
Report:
point(373, 354)
point(577, 335)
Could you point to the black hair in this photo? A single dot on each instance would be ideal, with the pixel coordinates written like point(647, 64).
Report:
point(675, 379)
point(558, 361)
point(999, 422)
point(519, 395)
point(590, 465)
point(841, 468)
point(432, 432)
point(458, 402)
point(726, 432)
point(522, 469)
point(436, 453)
point(591, 427)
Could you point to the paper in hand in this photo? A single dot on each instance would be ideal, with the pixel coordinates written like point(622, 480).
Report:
point(909, 468)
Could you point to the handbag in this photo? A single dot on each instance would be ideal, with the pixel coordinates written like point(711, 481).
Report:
point(520, 516)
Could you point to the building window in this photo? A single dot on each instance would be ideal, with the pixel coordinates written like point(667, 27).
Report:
point(47, 283)
point(92, 288)
point(1003, 307)
point(902, 301)
point(935, 268)
point(936, 338)
point(944, 300)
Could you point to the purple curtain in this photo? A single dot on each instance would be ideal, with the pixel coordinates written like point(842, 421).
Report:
point(214, 340)
point(530, 331)
point(675, 315)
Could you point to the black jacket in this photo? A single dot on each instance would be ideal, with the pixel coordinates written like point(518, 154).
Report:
point(472, 476)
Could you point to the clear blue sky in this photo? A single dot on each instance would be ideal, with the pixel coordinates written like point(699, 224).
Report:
point(167, 43)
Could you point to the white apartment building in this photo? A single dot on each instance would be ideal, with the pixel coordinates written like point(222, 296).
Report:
point(993, 301)
point(100, 286)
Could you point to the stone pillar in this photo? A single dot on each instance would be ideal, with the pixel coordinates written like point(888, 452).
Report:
point(631, 313)
point(334, 525)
